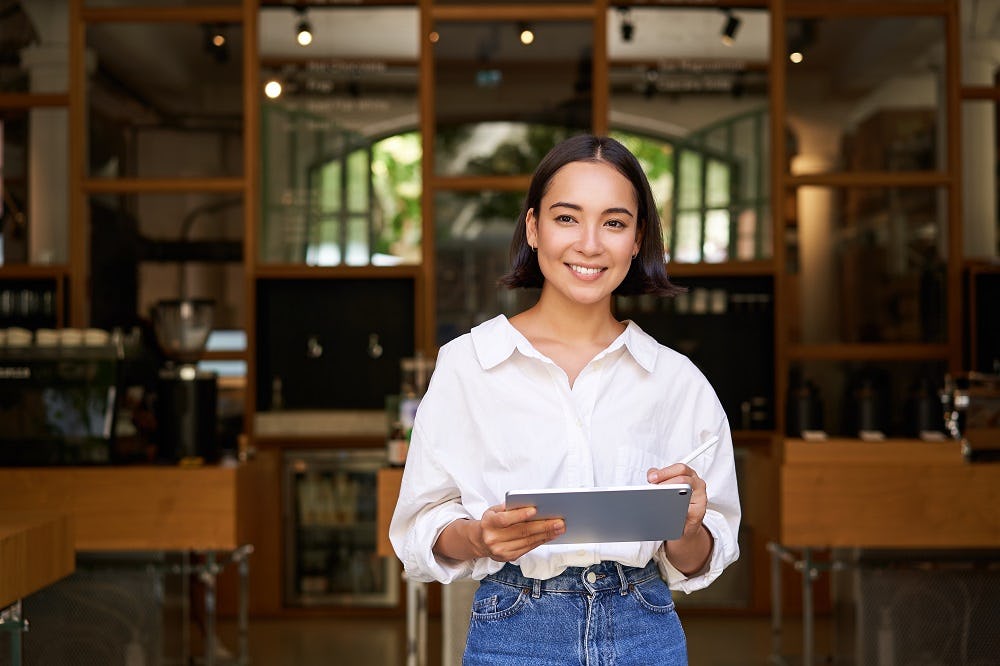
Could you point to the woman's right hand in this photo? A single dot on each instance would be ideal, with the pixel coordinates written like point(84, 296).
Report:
point(505, 535)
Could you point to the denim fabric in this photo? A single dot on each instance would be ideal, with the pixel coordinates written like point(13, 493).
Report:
point(602, 615)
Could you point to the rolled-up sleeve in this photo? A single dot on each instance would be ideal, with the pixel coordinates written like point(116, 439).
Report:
point(428, 502)
point(722, 519)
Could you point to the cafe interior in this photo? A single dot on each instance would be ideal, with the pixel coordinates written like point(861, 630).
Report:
point(234, 234)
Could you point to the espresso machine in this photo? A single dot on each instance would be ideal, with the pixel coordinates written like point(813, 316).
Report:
point(186, 396)
point(971, 404)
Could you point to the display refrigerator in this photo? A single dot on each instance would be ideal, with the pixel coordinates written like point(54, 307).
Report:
point(330, 530)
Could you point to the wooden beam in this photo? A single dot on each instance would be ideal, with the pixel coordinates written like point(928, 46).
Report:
point(187, 14)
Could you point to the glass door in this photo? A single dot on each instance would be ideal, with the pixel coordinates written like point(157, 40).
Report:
point(330, 554)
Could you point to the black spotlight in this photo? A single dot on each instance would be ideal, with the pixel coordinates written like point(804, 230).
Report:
point(730, 28)
point(627, 27)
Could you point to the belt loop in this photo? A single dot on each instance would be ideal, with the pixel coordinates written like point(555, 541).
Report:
point(622, 578)
point(536, 588)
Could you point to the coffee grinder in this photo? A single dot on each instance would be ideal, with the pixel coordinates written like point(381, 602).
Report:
point(186, 396)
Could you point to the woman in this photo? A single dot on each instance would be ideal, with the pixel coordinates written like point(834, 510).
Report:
point(565, 395)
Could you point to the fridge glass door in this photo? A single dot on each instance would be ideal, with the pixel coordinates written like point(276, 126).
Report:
point(331, 558)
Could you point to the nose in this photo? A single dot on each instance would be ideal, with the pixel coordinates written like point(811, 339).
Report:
point(589, 241)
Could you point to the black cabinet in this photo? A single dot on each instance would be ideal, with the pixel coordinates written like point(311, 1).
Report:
point(725, 325)
point(332, 343)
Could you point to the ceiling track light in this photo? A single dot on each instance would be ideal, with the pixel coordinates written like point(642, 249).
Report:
point(627, 28)
point(730, 28)
point(303, 29)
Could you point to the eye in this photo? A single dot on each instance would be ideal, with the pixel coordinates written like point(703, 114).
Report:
point(565, 219)
point(617, 224)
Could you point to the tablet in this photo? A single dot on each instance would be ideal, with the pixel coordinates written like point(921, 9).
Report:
point(621, 513)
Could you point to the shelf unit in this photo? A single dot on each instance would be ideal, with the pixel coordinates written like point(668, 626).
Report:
point(946, 178)
point(73, 277)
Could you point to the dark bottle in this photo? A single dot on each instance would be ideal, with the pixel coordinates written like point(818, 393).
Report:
point(804, 410)
point(397, 445)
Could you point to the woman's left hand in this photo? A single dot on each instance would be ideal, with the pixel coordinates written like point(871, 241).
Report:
point(680, 473)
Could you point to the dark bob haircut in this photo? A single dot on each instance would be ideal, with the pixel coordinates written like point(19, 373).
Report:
point(648, 272)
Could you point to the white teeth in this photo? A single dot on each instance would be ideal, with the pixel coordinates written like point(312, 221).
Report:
point(584, 270)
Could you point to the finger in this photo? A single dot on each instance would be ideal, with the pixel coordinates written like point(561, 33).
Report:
point(675, 473)
point(500, 518)
point(669, 473)
point(509, 549)
point(498, 538)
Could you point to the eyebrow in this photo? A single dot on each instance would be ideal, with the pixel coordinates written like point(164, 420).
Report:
point(573, 206)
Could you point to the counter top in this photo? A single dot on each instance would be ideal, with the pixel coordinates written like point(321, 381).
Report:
point(366, 423)
point(890, 494)
point(36, 550)
point(132, 507)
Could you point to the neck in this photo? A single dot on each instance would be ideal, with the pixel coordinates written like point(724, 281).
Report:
point(570, 321)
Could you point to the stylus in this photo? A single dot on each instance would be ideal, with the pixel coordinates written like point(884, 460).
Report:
point(705, 446)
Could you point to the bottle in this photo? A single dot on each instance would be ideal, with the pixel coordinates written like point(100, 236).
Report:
point(277, 394)
point(409, 398)
point(397, 445)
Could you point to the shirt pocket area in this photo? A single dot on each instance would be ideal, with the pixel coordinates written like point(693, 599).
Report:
point(632, 463)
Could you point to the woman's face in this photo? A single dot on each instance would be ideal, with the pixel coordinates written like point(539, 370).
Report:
point(585, 231)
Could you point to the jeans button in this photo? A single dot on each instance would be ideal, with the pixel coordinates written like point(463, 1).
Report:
point(591, 577)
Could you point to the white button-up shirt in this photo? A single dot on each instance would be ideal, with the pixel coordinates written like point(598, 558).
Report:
point(499, 415)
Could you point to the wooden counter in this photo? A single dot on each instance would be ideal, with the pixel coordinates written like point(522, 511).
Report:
point(132, 507)
point(891, 494)
point(389, 479)
point(36, 550)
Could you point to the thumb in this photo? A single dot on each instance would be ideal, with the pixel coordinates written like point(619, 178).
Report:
point(653, 475)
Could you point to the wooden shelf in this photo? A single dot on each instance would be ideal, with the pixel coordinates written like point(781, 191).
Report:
point(222, 185)
point(300, 271)
point(27, 101)
point(33, 271)
point(889, 451)
point(218, 14)
point(513, 12)
point(836, 8)
point(980, 92)
point(870, 179)
point(512, 183)
point(294, 442)
point(886, 351)
point(764, 267)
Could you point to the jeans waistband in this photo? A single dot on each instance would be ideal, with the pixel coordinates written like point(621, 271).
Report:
point(601, 577)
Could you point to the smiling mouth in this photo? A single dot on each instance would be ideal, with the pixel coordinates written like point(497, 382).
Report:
point(585, 270)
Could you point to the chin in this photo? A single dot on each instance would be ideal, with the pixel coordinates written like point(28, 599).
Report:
point(588, 297)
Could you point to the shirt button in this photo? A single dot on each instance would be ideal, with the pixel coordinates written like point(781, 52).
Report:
point(591, 577)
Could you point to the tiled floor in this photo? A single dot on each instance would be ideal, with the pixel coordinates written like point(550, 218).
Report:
point(712, 641)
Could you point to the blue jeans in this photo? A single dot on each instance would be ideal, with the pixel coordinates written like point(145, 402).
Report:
point(603, 615)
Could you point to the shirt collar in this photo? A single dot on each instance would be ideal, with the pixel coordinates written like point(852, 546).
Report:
point(495, 340)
